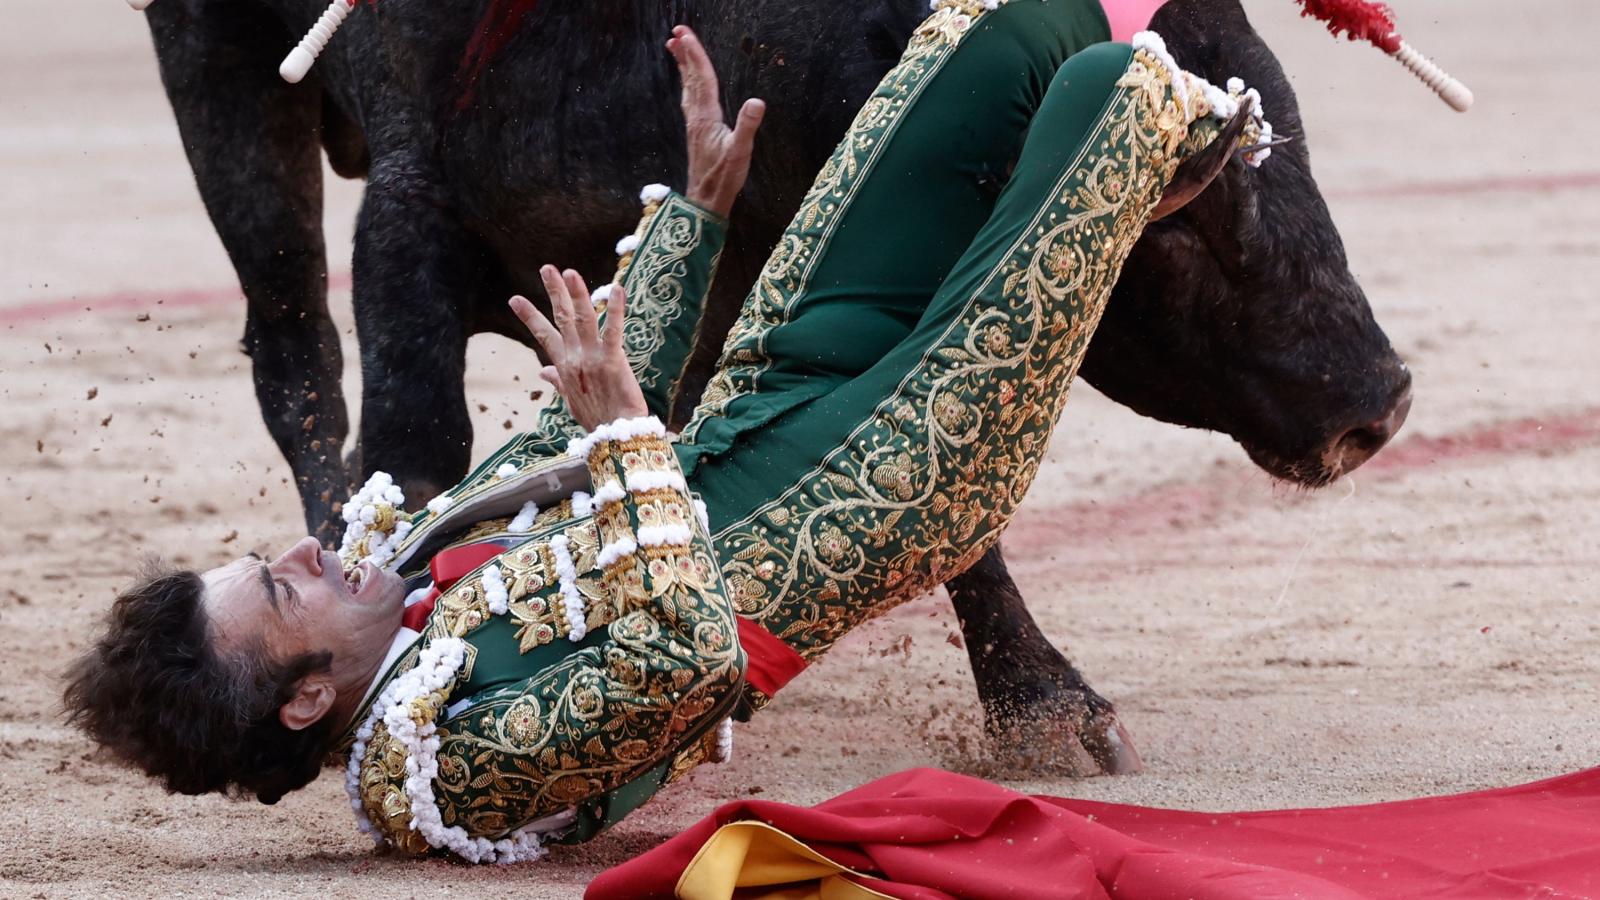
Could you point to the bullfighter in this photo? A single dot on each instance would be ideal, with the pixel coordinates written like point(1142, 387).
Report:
point(540, 649)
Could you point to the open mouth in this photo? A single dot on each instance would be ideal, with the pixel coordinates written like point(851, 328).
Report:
point(355, 578)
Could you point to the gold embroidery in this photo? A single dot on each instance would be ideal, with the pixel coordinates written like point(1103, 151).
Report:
point(925, 486)
point(380, 784)
point(537, 606)
point(654, 279)
point(601, 717)
point(701, 751)
point(857, 534)
point(587, 725)
point(532, 588)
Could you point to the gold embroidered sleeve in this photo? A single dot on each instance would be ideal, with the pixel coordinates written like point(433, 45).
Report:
point(666, 266)
point(666, 671)
point(667, 277)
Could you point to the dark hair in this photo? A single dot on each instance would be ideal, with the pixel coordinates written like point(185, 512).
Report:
point(157, 693)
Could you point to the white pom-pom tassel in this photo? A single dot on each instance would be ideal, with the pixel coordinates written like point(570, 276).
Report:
point(298, 62)
point(582, 504)
point(494, 591)
point(1152, 43)
point(627, 245)
point(522, 523)
point(610, 492)
point(571, 597)
point(652, 193)
point(1449, 89)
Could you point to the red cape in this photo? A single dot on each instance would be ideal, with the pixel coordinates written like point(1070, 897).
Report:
point(930, 834)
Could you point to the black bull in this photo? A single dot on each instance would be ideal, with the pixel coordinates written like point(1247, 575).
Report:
point(1238, 314)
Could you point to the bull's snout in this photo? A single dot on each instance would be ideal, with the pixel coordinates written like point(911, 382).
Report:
point(1359, 443)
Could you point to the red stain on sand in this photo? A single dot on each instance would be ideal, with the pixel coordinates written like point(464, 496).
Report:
point(1531, 436)
point(1562, 181)
point(1041, 530)
point(144, 300)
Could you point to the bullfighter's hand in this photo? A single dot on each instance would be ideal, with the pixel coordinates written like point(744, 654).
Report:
point(719, 156)
point(587, 367)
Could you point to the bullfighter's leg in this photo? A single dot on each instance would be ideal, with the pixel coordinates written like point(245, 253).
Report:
point(953, 172)
point(969, 168)
point(913, 468)
point(252, 142)
point(1036, 705)
point(414, 262)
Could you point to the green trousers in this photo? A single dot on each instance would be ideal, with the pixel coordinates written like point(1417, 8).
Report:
point(886, 396)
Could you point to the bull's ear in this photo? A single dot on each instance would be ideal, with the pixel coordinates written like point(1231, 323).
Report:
point(1197, 172)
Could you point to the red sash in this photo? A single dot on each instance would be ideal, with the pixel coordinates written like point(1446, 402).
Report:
point(447, 567)
point(769, 662)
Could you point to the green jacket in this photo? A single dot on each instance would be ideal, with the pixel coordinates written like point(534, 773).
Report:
point(534, 726)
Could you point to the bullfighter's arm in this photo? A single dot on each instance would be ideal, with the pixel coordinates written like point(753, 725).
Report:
point(667, 264)
point(666, 267)
point(666, 670)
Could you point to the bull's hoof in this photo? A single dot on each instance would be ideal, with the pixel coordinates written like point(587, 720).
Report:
point(1068, 734)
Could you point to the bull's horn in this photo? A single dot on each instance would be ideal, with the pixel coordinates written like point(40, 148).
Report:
point(298, 62)
point(1198, 171)
point(1264, 145)
point(139, 5)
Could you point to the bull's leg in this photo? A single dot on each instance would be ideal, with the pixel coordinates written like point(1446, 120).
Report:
point(252, 142)
point(415, 268)
point(1037, 709)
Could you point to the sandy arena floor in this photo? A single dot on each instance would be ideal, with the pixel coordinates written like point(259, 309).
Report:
point(1427, 626)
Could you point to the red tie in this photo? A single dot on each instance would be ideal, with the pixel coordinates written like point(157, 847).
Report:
point(447, 567)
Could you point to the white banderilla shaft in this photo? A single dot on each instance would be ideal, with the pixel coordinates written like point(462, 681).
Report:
point(1451, 90)
point(298, 62)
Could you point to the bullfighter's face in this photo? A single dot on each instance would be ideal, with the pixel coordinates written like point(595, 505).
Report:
point(301, 602)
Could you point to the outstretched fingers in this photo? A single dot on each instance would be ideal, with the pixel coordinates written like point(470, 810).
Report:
point(584, 322)
point(616, 315)
point(744, 132)
point(552, 377)
point(590, 370)
point(700, 97)
point(555, 287)
point(546, 334)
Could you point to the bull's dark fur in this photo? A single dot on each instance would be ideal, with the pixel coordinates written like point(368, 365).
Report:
point(1238, 314)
